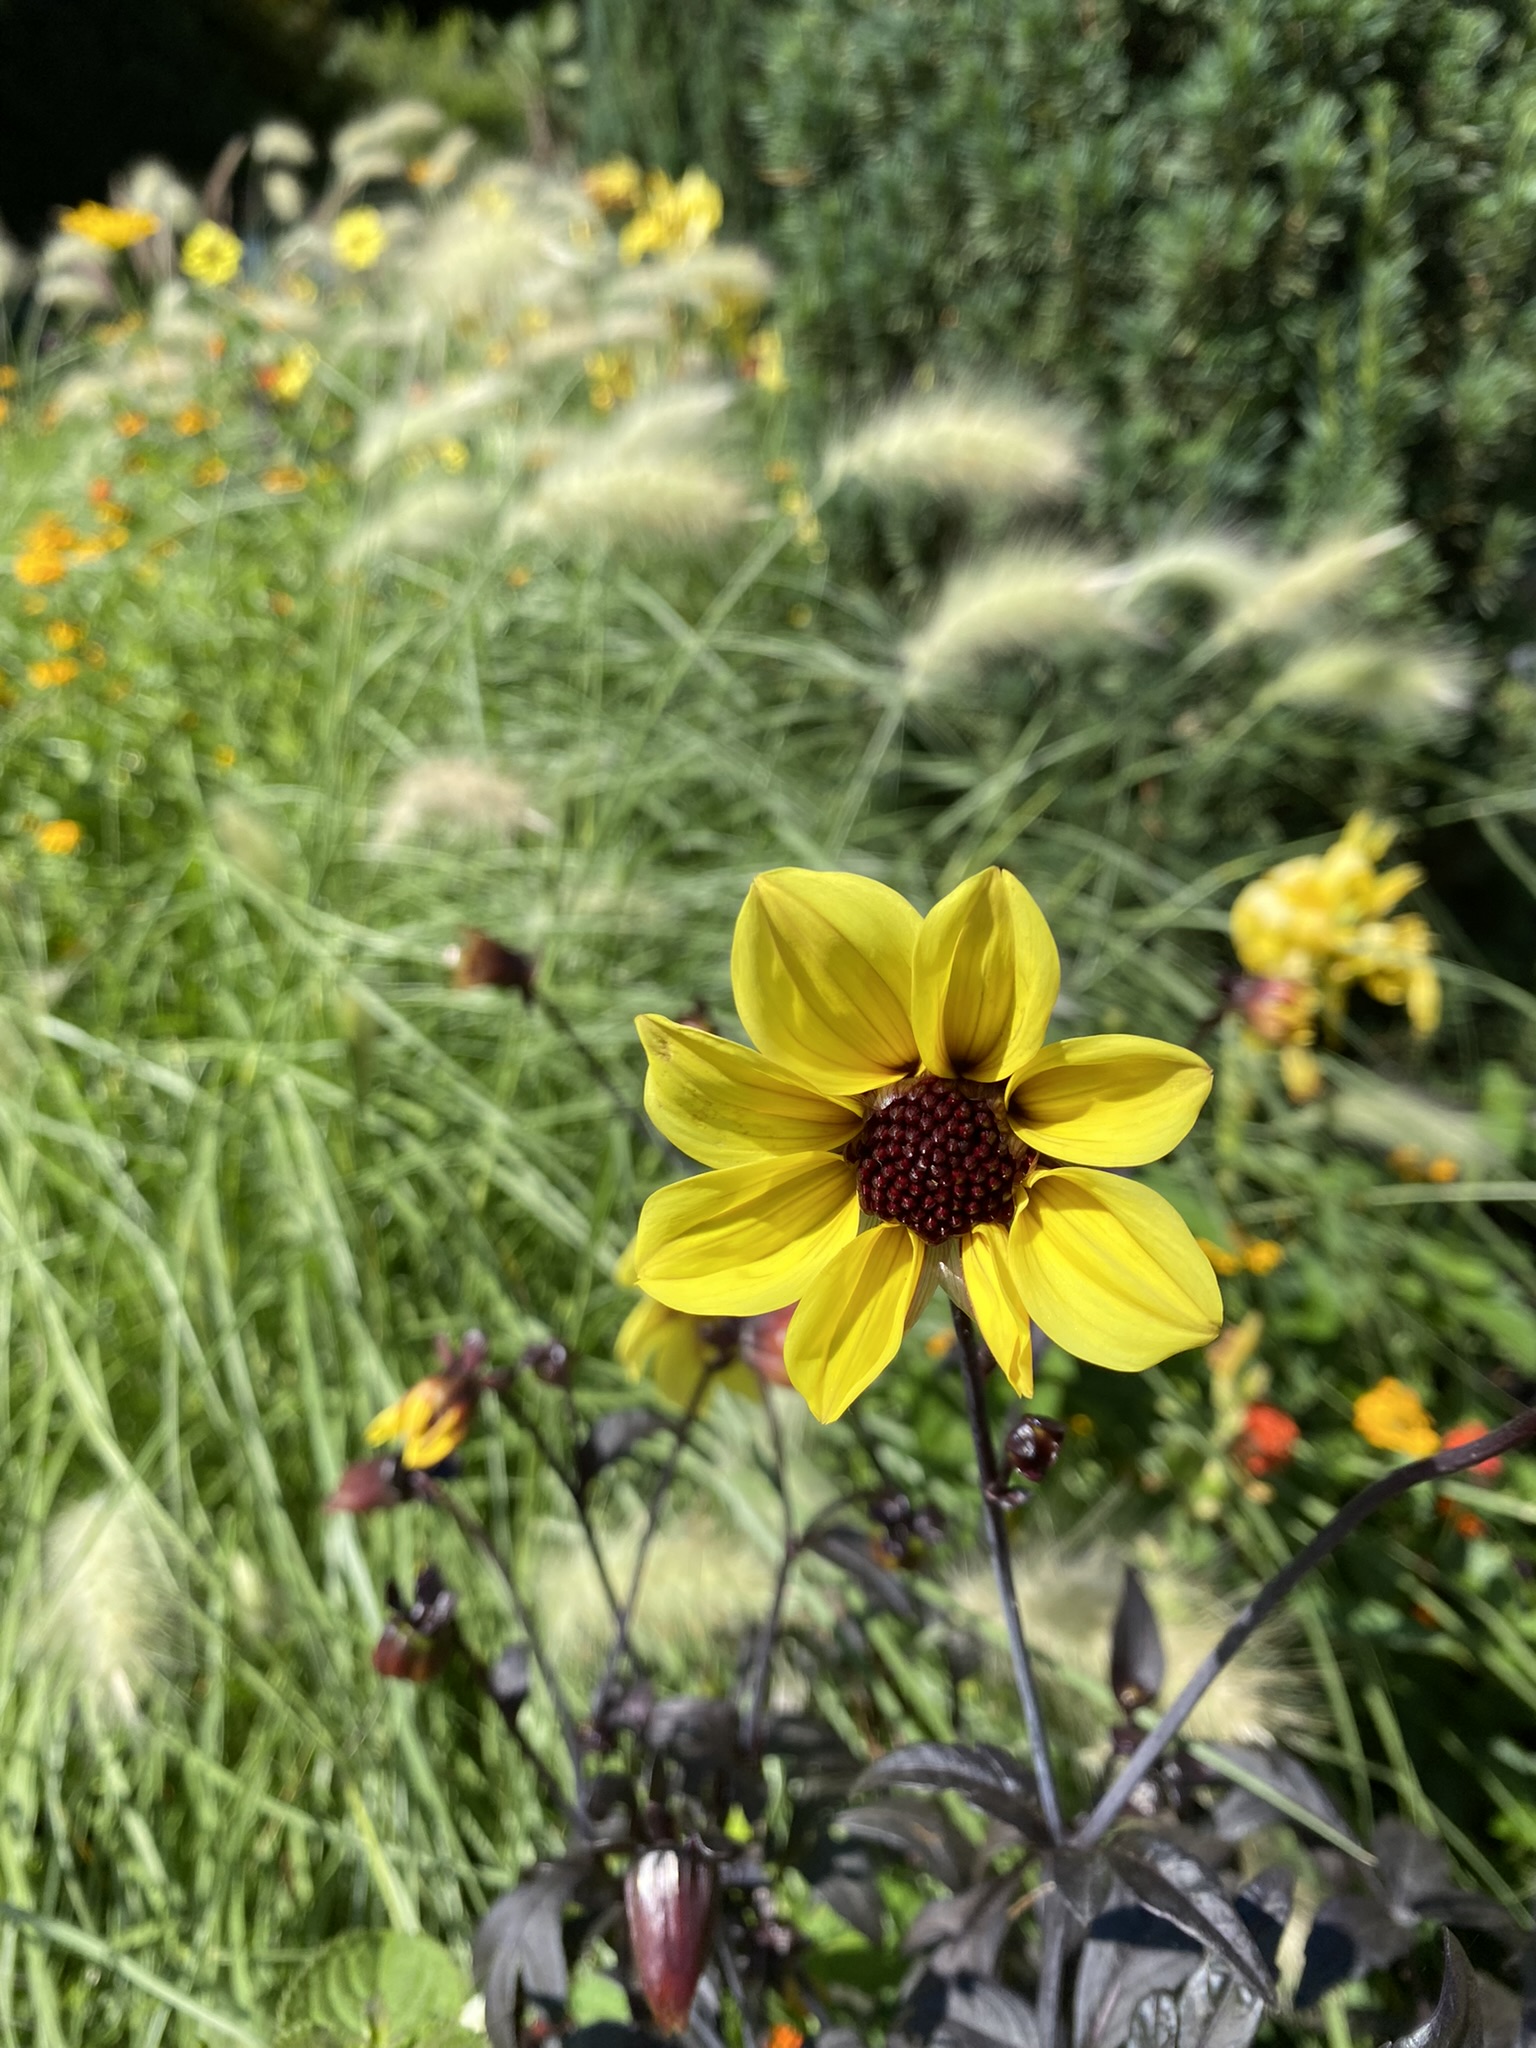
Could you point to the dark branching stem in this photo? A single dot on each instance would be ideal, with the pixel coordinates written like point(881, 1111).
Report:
point(1442, 1465)
point(757, 1692)
point(594, 1066)
point(553, 1464)
point(477, 1534)
point(975, 1360)
point(546, 1777)
point(626, 1612)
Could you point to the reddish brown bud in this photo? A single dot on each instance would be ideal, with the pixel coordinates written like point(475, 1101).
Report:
point(1031, 1446)
point(401, 1653)
point(760, 1342)
point(372, 1483)
point(485, 962)
point(669, 1902)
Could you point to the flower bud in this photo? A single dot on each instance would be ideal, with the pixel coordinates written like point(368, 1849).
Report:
point(1031, 1446)
point(549, 1361)
point(760, 1342)
point(370, 1484)
point(669, 1903)
point(484, 962)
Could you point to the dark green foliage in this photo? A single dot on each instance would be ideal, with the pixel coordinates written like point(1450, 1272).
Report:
point(1282, 251)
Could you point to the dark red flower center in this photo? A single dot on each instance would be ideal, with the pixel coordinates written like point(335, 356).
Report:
point(937, 1160)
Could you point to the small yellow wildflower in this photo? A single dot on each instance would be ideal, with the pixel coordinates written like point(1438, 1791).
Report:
point(1391, 1417)
point(62, 636)
point(130, 424)
point(676, 219)
point(610, 379)
point(429, 1421)
point(288, 378)
point(211, 254)
point(1263, 1256)
point(359, 238)
point(194, 419)
point(1222, 1261)
point(452, 455)
point(59, 835)
point(800, 616)
point(224, 757)
point(5, 410)
point(765, 361)
point(109, 227)
point(283, 479)
point(53, 674)
point(519, 576)
point(299, 286)
point(1442, 1170)
point(10, 376)
point(615, 186)
point(1301, 1075)
point(211, 470)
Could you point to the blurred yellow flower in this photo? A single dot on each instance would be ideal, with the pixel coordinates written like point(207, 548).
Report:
point(765, 361)
point(1263, 1255)
point(615, 186)
point(39, 565)
point(452, 454)
point(1222, 1261)
point(53, 674)
point(289, 376)
point(224, 757)
point(1323, 919)
point(1391, 1417)
point(60, 634)
point(59, 835)
point(429, 1421)
point(610, 379)
point(194, 419)
point(211, 470)
point(10, 376)
point(359, 238)
point(130, 424)
point(676, 1351)
point(109, 227)
point(676, 219)
point(284, 478)
point(211, 254)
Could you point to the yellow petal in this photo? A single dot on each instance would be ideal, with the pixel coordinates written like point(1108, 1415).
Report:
point(746, 1238)
point(385, 1426)
point(624, 1271)
point(724, 1104)
point(439, 1439)
point(821, 967)
point(852, 1318)
point(1001, 1315)
point(1110, 1270)
point(640, 1333)
point(985, 979)
point(1110, 1101)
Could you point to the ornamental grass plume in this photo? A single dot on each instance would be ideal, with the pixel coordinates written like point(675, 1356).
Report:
point(1400, 687)
point(1036, 600)
point(902, 1124)
point(976, 444)
point(459, 796)
point(393, 429)
point(434, 516)
point(108, 1615)
point(1292, 591)
point(282, 142)
point(630, 500)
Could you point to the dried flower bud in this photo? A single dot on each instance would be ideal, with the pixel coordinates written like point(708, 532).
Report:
point(548, 1361)
point(669, 1903)
point(400, 1653)
point(1031, 1446)
point(370, 1484)
point(484, 962)
point(699, 1018)
point(760, 1342)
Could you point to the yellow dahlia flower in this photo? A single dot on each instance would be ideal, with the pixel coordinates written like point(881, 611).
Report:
point(211, 254)
point(675, 1351)
point(901, 1123)
point(109, 227)
point(429, 1421)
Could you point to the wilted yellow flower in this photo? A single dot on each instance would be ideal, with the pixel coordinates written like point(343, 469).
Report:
point(894, 1131)
point(429, 1421)
point(359, 238)
point(59, 835)
point(109, 227)
point(1391, 1417)
point(53, 674)
point(615, 186)
point(211, 254)
point(675, 1351)
point(284, 478)
point(1324, 919)
point(676, 220)
point(211, 470)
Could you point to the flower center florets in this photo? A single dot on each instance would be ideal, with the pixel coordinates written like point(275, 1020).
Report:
point(939, 1159)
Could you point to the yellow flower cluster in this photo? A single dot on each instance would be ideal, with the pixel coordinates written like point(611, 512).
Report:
point(675, 219)
point(1260, 1255)
point(109, 227)
point(1391, 1417)
point(50, 547)
point(616, 186)
point(211, 254)
point(610, 378)
point(1323, 921)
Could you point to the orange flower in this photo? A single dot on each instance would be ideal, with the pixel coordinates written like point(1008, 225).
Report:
point(283, 479)
point(39, 565)
point(99, 489)
point(1491, 1470)
point(212, 470)
point(130, 423)
point(1462, 1520)
point(194, 419)
point(1268, 1438)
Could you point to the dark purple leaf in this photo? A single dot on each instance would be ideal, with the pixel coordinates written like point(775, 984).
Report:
point(856, 1900)
point(1112, 1981)
point(519, 1949)
point(1264, 1905)
point(1456, 2021)
point(964, 1933)
point(1350, 1937)
point(965, 2012)
point(1155, 2022)
point(1242, 1811)
point(986, 1777)
point(1136, 1651)
point(849, 1550)
point(1177, 1887)
point(695, 1731)
point(1216, 2011)
point(918, 1831)
point(611, 2034)
point(1082, 1881)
